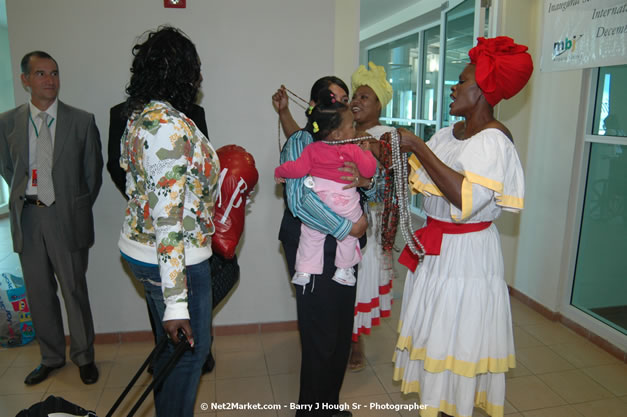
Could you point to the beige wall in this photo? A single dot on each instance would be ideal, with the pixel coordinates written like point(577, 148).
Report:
point(518, 22)
point(545, 119)
point(248, 48)
point(346, 54)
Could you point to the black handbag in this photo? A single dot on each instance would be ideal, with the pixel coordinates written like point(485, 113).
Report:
point(224, 276)
point(55, 406)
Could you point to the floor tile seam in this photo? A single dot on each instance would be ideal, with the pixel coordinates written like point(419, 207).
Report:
point(115, 386)
point(584, 368)
point(558, 319)
point(565, 358)
point(274, 391)
point(549, 408)
point(563, 327)
point(283, 373)
point(265, 361)
point(229, 378)
point(24, 393)
point(379, 378)
point(546, 385)
point(594, 381)
point(518, 358)
point(12, 361)
point(578, 366)
point(548, 372)
point(601, 383)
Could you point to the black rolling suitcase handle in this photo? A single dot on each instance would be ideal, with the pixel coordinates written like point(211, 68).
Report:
point(181, 347)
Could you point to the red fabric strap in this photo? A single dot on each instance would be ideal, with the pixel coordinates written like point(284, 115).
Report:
point(431, 238)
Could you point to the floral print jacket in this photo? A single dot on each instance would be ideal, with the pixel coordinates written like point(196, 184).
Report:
point(171, 181)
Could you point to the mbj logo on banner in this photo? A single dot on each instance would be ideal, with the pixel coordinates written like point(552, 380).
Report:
point(583, 34)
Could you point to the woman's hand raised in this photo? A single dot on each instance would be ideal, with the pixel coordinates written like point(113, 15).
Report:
point(280, 100)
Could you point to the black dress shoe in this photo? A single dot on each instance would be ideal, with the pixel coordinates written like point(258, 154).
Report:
point(89, 373)
point(209, 364)
point(40, 373)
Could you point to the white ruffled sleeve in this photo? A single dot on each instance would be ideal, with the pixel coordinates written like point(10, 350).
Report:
point(491, 169)
point(489, 160)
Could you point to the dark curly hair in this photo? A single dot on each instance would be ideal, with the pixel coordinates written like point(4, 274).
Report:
point(327, 114)
point(166, 67)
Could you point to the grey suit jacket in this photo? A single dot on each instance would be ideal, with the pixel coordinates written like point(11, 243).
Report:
point(76, 171)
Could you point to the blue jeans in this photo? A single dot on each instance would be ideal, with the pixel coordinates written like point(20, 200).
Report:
point(175, 397)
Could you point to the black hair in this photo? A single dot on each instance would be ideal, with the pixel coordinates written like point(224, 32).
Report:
point(324, 83)
point(25, 62)
point(166, 67)
point(326, 114)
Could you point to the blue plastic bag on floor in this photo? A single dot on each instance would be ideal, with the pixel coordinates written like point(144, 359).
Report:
point(16, 326)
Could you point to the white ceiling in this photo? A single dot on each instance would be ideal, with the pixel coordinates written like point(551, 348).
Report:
point(372, 11)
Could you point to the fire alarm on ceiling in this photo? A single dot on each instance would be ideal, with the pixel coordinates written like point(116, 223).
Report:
point(174, 4)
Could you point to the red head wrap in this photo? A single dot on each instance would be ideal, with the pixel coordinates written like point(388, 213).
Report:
point(502, 67)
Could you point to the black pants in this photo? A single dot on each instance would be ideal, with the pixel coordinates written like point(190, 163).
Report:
point(325, 321)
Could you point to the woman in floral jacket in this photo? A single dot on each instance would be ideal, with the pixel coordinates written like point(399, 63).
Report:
point(171, 181)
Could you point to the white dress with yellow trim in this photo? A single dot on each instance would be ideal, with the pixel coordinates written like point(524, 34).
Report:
point(374, 281)
point(456, 340)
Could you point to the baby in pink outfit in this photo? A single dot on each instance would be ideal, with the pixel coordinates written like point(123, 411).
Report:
point(331, 121)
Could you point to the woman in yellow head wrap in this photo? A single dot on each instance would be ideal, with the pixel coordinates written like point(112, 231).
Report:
point(371, 94)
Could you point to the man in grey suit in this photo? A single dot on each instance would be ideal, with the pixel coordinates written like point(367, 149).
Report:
point(50, 155)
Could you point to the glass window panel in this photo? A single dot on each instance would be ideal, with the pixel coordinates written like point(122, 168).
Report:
point(600, 287)
point(400, 59)
point(430, 74)
point(459, 40)
point(416, 205)
point(426, 131)
point(610, 109)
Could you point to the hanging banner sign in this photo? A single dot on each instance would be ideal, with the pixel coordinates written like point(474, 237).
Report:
point(583, 33)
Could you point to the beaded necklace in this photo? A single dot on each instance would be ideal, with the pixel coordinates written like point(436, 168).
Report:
point(402, 196)
point(395, 196)
point(302, 106)
point(389, 217)
point(345, 141)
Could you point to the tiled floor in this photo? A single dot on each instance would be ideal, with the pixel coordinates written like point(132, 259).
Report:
point(559, 374)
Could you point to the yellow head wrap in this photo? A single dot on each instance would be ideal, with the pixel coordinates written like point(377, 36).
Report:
point(375, 79)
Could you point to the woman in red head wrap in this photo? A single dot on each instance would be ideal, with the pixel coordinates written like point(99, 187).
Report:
point(456, 340)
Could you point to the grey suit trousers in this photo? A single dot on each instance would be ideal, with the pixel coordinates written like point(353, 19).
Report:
point(45, 255)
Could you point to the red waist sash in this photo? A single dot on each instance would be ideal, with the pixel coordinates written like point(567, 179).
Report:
point(431, 238)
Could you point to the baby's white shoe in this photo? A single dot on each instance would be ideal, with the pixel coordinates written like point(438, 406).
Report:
point(345, 276)
point(301, 278)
